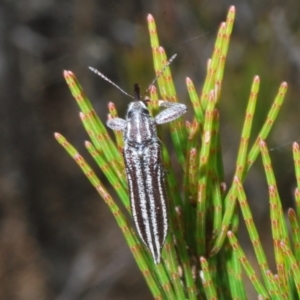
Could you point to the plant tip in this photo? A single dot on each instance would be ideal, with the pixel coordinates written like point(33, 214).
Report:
point(87, 144)
point(152, 89)
point(262, 143)
point(161, 49)
point(150, 18)
point(202, 259)
point(232, 9)
point(111, 105)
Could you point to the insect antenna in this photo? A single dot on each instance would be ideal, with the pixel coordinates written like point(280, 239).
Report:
point(136, 86)
point(161, 72)
point(111, 82)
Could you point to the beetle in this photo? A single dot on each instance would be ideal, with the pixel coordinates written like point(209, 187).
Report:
point(145, 174)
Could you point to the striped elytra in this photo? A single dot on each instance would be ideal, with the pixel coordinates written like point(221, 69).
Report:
point(144, 170)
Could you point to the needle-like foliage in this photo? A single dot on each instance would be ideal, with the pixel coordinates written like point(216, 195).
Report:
point(202, 257)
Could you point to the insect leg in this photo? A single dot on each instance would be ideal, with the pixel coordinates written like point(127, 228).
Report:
point(172, 112)
point(116, 124)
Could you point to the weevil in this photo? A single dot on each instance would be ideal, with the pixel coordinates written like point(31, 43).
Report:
point(145, 174)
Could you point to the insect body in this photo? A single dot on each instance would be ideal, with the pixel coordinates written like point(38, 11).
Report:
point(143, 161)
point(145, 174)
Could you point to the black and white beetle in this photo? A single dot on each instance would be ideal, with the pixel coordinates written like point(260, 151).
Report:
point(143, 162)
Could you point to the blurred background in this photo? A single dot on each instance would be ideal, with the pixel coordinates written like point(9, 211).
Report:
point(58, 240)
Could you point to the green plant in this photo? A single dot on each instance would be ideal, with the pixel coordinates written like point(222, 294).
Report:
point(202, 258)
